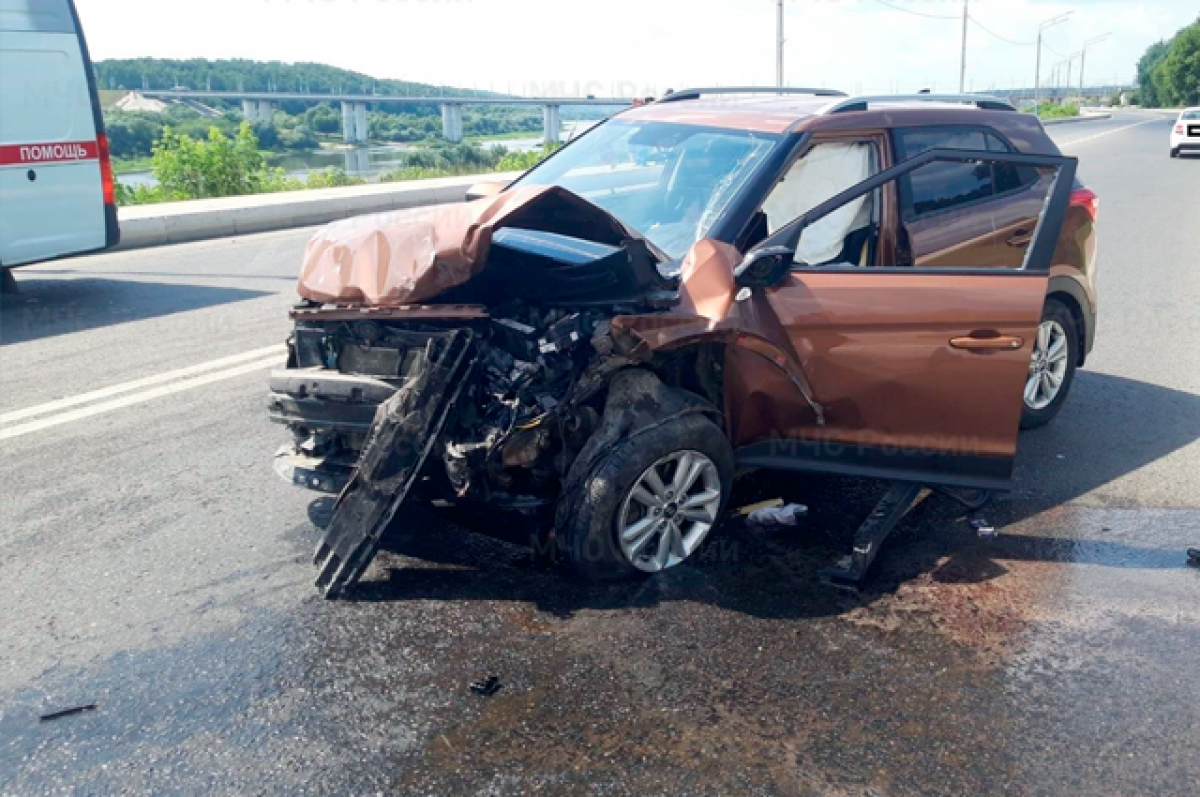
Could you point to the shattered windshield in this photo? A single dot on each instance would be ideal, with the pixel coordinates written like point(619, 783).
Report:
point(669, 182)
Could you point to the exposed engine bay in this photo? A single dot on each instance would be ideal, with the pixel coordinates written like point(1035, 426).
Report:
point(513, 432)
point(526, 395)
point(515, 429)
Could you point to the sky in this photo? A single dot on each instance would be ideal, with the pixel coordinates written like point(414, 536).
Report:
point(644, 47)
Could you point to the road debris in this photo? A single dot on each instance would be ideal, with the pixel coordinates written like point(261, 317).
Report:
point(750, 509)
point(67, 712)
point(487, 687)
point(776, 516)
point(984, 529)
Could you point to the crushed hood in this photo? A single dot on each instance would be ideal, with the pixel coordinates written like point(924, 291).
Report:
point(410, 256)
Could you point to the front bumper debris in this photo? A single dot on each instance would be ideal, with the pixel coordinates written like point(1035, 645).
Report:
point(400, 438)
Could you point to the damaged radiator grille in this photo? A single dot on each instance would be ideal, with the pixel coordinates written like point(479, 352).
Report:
point(364, 347)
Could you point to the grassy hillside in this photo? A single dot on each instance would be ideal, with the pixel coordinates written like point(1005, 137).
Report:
point(245, 75)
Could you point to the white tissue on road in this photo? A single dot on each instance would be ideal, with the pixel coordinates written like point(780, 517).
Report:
point(787, 515)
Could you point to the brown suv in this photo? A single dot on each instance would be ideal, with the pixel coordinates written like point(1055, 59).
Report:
point(881, 286)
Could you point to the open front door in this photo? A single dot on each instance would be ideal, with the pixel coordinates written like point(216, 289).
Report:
point(919, 370)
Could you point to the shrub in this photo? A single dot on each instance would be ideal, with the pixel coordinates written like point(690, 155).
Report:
point(331, 177)
point(523, 161)
point(217, 166)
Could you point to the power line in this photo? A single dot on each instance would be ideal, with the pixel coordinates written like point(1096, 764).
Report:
point(914, 13)
point(1056, 52)
point(990, 32)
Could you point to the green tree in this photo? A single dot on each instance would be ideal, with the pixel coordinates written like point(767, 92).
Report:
point(1180, 70)
point(217, 166)
point(132, 134)
point(323, 118)
point(1146, 68)
point(1169, 71)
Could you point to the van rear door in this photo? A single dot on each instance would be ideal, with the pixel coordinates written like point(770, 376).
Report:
point(56, 190)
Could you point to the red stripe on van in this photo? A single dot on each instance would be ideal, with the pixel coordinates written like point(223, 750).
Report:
point(59, 152)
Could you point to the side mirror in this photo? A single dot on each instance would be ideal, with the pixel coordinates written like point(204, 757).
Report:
point(485, 189)
point(764, 268)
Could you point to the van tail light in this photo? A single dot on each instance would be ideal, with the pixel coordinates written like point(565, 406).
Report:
point(1086, 198)
point(1178, 128)
point(106, 172)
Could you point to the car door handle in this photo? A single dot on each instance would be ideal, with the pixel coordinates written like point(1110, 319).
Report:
point(1020, 238)
point(991, 342)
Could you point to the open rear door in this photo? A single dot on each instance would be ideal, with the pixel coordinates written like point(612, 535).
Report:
point(919, 370)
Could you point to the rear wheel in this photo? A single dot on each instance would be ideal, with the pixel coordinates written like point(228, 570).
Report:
point(1175, 152)
point(651, 501)
point(1051, 365)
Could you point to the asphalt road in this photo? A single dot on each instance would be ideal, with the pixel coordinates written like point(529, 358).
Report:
point(151, 564)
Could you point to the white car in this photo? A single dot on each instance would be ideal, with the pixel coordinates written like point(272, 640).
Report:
point(1185, 135)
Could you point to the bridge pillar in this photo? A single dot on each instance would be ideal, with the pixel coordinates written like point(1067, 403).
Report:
point(452, 124)
point(360, 121)
point(258, 110)
point(348, 122)
point(551, 124)
point(354, 122)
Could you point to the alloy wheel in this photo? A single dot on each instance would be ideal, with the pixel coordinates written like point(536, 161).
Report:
point(1047, 365)
point(669, 511)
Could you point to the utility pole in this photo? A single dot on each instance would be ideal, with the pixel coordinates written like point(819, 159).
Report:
point(779, 44)
point(962, 71)
point(1083, 57)
point(1037, 75)
point(1070, 65)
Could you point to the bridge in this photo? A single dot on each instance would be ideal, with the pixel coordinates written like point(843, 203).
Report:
point(260, 105)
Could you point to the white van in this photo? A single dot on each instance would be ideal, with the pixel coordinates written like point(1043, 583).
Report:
point(56, 183)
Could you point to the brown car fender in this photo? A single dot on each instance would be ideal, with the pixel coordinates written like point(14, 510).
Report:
point(1075, 295)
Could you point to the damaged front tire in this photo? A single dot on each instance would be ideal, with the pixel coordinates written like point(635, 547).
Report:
point(650, 501)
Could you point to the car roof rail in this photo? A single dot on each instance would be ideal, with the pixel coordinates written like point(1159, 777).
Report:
point(983, 101)
point(695, 94)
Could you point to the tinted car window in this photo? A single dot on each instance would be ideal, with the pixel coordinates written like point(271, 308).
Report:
point(1007, 176)
point(943, 185)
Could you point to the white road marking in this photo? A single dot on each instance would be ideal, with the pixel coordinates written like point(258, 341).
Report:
point(137, 398)
point(138, 384)
point(1085, 139)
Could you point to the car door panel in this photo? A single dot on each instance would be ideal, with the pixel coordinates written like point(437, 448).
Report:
point(876, 349)
point(899, 399)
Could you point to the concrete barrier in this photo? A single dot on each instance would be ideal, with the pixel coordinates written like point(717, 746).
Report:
point(178, 222)
point(1087, 117)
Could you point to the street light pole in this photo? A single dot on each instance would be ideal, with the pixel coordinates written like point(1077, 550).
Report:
point(1037, 78)
point(779, 44)
point(1083, 57)
point(1070, 66)
point(962, 72)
